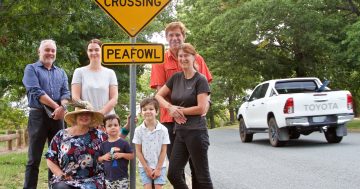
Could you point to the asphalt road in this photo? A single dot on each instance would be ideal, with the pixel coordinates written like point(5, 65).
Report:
point(309, 162)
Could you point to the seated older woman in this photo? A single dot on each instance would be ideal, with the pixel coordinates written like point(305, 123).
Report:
point(73, 152)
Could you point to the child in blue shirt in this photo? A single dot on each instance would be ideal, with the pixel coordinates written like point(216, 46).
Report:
point(115, 153)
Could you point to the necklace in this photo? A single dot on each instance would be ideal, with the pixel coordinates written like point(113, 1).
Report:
point(189, 79)
point(189, 83)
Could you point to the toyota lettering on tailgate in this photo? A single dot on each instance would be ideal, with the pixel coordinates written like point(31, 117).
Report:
point(317, 107)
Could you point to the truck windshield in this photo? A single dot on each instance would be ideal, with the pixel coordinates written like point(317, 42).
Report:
point(285, 87)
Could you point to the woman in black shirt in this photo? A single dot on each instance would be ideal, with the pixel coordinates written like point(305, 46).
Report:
point(189, 92)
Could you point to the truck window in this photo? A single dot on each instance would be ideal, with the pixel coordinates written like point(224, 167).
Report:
point(263, 90)
point(259, 92)
point(286, 87)
point(255, 94)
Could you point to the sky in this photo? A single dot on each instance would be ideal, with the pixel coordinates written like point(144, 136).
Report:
point(159, 38)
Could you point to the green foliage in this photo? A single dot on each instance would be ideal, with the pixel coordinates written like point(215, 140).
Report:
point(144, 85)
point(354, 124)
point(243, 42)
point(11, 117)
point(71, 24)
point(247, 41)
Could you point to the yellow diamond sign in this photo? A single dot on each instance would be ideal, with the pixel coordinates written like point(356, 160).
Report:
point(132, 15)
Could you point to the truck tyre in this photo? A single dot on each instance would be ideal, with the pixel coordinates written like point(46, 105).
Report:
point(244, 135)
point(274, 134)
point(331, 136)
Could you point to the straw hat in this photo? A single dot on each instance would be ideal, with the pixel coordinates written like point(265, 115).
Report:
point(84, 107)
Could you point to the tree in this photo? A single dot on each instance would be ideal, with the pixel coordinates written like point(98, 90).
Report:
point(11, 117)
point(71, 24)
point(253, 40)
point(231, 77)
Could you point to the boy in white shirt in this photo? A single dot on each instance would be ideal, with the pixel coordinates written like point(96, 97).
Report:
point(151, 139)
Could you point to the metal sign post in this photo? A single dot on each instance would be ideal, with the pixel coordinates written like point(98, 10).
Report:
point(132, 118)
point(132, 17)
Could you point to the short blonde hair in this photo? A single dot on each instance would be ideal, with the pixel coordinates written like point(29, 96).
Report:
point(175, 25)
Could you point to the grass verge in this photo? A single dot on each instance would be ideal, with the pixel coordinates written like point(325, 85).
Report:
point(12, 172)
point(354, 125)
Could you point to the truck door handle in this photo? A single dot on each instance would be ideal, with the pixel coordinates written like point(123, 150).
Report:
point(253, 105)
point(320, 100)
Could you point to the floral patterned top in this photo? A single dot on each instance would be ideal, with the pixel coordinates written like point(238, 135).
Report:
point(77, 156)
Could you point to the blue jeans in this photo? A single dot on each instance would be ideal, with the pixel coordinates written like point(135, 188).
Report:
point(40, 128)
point(161, 180)
point(192, 144)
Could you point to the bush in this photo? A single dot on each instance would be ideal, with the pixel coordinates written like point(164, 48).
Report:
point(11, 117)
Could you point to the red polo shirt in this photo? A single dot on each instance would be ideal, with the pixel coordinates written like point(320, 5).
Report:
point(160, 73)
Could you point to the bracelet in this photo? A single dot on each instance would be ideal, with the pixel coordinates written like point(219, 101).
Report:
point(124, 131)
point(61, 177)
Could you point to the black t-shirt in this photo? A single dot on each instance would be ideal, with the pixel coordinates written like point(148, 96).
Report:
point(184, 93)
point(121, 171)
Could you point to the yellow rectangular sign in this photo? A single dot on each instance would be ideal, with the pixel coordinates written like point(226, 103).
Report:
point(138, 53)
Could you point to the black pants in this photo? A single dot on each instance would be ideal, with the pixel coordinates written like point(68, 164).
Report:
point(170, 127)
point(192, 144)
point(40, 128)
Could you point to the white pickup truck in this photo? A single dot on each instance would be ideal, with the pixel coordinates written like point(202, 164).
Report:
point(286, 108)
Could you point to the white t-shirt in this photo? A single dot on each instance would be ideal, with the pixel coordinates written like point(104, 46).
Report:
point(95, 85)
point(151, 142)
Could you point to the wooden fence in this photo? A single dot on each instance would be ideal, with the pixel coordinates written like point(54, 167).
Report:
point(20, 136)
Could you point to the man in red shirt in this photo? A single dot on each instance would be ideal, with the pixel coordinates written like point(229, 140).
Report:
point(160, 73)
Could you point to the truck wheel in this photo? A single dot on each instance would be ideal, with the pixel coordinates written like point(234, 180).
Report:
point(331, 136)
point(244, 136)
point(274, 134)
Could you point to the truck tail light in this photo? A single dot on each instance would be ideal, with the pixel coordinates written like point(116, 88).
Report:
point(289, 106)
point(349, 102)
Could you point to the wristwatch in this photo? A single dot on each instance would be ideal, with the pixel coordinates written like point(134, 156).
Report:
point(64, 106)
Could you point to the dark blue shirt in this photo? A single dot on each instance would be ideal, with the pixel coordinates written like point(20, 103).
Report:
point(121, 170)
point(38, 81)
